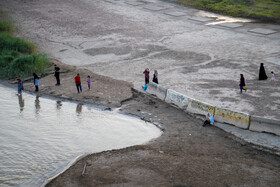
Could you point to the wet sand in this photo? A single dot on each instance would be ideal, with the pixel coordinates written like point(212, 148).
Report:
point(187, 154)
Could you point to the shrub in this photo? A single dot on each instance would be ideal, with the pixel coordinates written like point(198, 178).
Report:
point(9, 42)
point(5, 26)
point(25, 65)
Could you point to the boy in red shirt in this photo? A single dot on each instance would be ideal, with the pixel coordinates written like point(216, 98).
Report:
point(78, 83)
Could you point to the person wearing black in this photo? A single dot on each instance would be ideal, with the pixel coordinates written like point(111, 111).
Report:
point(262, 74)
point(56, 74)
point(242, 83)
point(155, 79)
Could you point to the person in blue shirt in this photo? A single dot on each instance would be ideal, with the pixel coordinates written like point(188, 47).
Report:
point(20, 86)
point(209, 119)
point(36, 81)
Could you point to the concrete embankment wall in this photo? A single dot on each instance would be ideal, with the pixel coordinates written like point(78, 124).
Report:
point(238, 119)
point(261, 124)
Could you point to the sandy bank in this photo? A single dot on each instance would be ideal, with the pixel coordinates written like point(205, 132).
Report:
point(185, 155)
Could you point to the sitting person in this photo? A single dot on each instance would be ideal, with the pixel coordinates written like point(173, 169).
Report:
point(209, 119)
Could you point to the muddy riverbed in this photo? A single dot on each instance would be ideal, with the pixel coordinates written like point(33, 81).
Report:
point(118, 41)
point(186, 154)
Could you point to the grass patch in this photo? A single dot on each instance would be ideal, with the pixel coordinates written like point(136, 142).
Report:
point(18, 57)
point(267, 10)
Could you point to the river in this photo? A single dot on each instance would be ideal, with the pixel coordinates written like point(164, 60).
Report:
point(39, 135)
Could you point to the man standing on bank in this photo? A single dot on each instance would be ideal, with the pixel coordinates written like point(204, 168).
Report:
point(56, 74)
point(78, 83)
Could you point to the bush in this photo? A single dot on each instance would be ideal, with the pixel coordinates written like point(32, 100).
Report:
point(5, 26)
point(9, 42)
point(25, 65)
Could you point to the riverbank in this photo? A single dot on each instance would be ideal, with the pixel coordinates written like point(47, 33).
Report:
point(186, 153)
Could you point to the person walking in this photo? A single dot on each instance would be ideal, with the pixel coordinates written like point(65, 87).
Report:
point(78, 83)
point(155, 78)
point(36, 81)
point(242, 83)
point(20, 86)
point(262, 74)
point(272, 78)
point(147, 75)
point(56, 74)
point(88, 81)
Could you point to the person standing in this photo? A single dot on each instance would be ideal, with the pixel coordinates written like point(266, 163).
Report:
point(147, 75)
point(272, 79)
point(242, 83)
point(88, 81)
point(56, 74)
point(78, 83)
point(155, 78)
point(36, 81)
point(20, 86)
point(262, 74)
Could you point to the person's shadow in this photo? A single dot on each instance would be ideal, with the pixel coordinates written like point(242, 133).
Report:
point(20, 102)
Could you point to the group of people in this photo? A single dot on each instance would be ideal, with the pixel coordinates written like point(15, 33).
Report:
point(79, 84)
point(147, 76)
point(262, 76)
point(57, 76)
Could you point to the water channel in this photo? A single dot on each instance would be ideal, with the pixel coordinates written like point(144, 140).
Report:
point(39, 136)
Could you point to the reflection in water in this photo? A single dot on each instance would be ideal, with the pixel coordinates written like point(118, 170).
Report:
point(58, 105)
point(79, 108)
point(37, 105)
point(20, 102)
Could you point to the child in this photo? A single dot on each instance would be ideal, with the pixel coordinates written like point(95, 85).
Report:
point(272, 79)
point(37, 84)
point(88, 81)
point(36, 81)
point(20, 86)
point(209, 119)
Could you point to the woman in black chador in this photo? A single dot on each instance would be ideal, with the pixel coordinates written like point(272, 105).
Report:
point(262, 74)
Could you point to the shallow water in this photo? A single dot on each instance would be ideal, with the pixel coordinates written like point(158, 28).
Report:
point(40, 136)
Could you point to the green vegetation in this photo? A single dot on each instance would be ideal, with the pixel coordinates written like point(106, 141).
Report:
point(18, 56)
point(266, 10)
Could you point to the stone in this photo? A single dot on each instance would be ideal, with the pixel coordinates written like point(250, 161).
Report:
point(262, 31)
point(134, 3)
point(230, 25)
point(175, 13)
point(154, 7)
point(201, 19)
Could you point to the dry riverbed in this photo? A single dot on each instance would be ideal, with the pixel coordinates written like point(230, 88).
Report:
point(187, 154)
